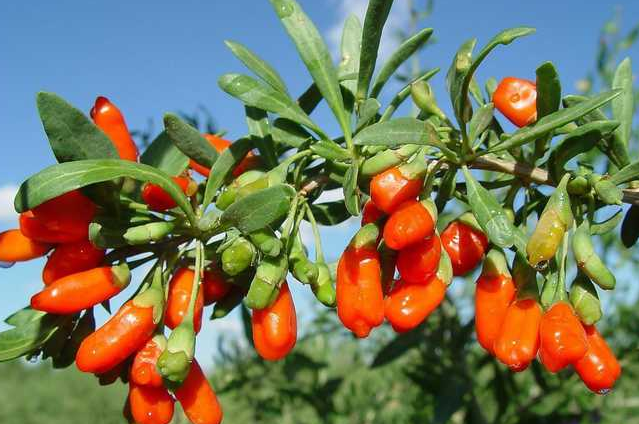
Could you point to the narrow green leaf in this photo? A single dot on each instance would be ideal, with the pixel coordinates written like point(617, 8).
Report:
point(330, 150)
point(455, 80)
point(164, 155)
point(260, 67)
point(554, 120)
point(623, 106)
point(480, 121)
point(260, 209)
point(189, 140)
point(352, 197)
point(315, 55)
point(626, 174)
point(71, 134)
point(23, 316)
point(330, 213)
point(548, 90)
point(613, 147)
point(59, 179)
point(260, 132)
point(26, 338)
point(376, 16)
point(367, 111)
point(491, 86)
point(490, 215)
point(290, 133)
point(397, 132)
point(261, 96)
point(397, 347)
point(579, 141)
point(606, 226)
point(403, 53)
point(350, 53)
point(223, 166)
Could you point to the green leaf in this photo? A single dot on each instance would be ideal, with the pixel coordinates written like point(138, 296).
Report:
point(23, 316)
point(330, 213)
point(367, 111)
point(480, 121)
point(352, 197)
point(376, 16)
point(403, 53)
point(60, 179)
point(490, 215)
point(330, 150)
point(622, 106)
point(455, 80)
point(554, 120)
point(223, 166)
point(260, 132)
point(397, 132)
point(290, 133)
point(580, 140)
point(164, 155)
point(71, 134)
point(261, 68)
point(28, 337)
point(350, 53)
point(626, 174)
point(260, 209)
point(606, 226)
point(189, 140)
point(253, 93)
point(315, 55)
point(548, 90)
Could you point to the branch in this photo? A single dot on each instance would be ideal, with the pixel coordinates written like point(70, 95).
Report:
point(533, 174)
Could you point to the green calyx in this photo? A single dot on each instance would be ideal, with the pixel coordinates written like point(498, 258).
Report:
point(174, 363)
point(300, 266)
point(606, 190)
point(235, 191)
point(417, 167)
point(578, 186)
point(495, 264)
point(588, 261)
point(467, 218)
point(266, 241)
point(143, 234)
point(431, 208)
point(445, 268)
point(269, 275)
point(121, 275)
point(238, 256)
point(386, 159)
point(153, 296)
point(424, 98)
point(585, 301)
point(324, 289)
point(366, 237)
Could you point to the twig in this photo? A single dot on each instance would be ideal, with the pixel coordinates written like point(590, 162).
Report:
point(533, 174)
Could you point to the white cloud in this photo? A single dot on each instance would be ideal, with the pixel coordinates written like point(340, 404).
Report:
point(398, 19)
point(7, 193)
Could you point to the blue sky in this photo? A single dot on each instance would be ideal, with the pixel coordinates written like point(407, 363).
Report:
point(156, 56)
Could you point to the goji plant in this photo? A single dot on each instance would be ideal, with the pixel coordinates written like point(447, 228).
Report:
point(233, 236)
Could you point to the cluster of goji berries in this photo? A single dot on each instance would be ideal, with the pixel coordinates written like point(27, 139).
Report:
point(76, 279)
